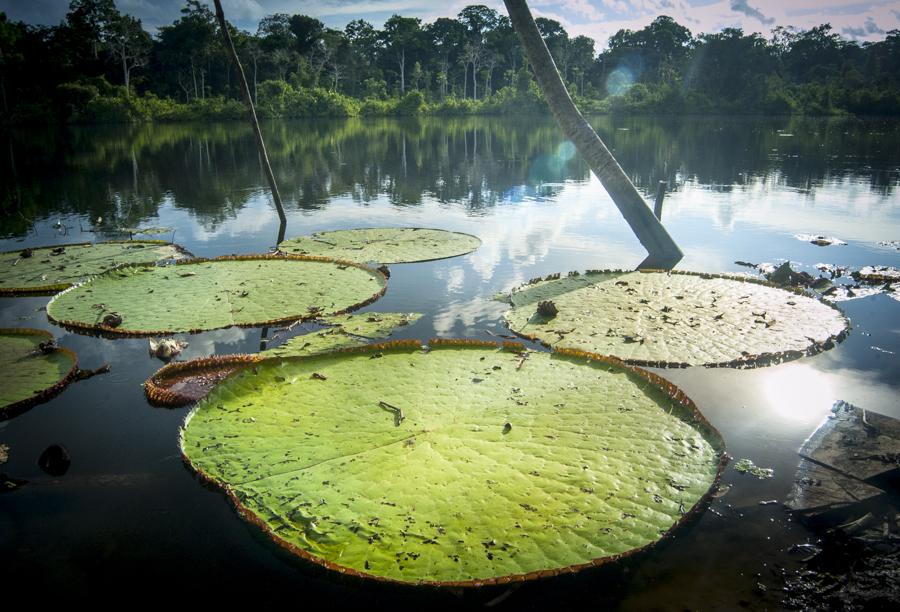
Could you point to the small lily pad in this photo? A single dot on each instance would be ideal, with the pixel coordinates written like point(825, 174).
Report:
point(44, 270)
point(675, 319)
point(203, 294)
point(387, 245)
point(36, 369)
point(146, 231)
point(375, 467)
point(746, 466)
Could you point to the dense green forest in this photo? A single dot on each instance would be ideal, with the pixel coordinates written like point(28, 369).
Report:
point(100, 65)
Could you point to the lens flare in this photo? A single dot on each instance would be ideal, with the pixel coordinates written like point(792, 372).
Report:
point(565, 151)
point(619, 81)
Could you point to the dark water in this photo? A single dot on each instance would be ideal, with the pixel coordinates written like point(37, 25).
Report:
point(128, 519)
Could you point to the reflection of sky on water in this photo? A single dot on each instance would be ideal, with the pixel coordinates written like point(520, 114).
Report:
point(536, 213)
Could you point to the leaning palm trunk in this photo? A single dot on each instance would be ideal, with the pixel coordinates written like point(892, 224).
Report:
point(663, 252)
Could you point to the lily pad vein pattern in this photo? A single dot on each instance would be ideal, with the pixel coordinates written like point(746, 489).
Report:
point(456, 466)
point(383, 245)
point(680, 319)
point(48, 269)
point(210, 294)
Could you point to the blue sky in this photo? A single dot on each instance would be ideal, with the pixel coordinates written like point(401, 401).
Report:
point(863, 21)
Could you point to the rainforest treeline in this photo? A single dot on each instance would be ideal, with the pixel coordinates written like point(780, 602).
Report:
point(100, 65)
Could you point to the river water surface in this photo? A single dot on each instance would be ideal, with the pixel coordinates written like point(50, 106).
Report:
point(127, 517)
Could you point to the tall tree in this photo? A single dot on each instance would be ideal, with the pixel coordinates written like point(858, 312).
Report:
point(402, 40)
point(663, 252)
point(129, 44)
point(479, 20)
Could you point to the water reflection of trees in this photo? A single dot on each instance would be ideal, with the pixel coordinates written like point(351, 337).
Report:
point(124, 174)
point(800, 153)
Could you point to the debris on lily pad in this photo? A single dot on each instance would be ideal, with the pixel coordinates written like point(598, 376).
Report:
point(746, 466)
point(819, 240)
point(203, 294)
point(675, 319)
point(184, 383)
point(387, 245)
point(786, 276)
point(36, 369)
point(373, 467)
point(45, 270)
point(878, 274)
point(166, 348)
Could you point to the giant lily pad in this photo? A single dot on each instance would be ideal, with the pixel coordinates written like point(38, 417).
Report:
point(51, 269)
point(675, 319)
point(384, 245)
point(213, 293)
point(463, 465)
point(33, 373)
point(177, 384)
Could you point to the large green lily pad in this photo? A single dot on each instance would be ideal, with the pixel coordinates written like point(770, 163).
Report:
point(31, 375)
point(181, 383)
point(675, 319)
point(52, 269)
point(213, 293)
point(386, 245)
point(463, 465)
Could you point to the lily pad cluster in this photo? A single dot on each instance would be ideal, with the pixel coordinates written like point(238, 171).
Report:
point(51, 269)
point(366, 461)
point(36, 369)
point(675, 319)
point(383, 245)
point(202, 294)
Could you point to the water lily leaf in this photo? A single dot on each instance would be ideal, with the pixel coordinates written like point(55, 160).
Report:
point(385, 462)
point(677, 319)
point(746, 466)
point(212, 293)
point(385, 245)
point(36, 369)
point(46, 270)
point(372, 324)
point(147, 231)
point(184, 383)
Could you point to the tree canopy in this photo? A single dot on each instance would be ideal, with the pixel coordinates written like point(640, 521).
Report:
point(98, 53)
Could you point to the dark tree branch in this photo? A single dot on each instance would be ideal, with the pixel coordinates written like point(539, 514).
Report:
point(251, 111)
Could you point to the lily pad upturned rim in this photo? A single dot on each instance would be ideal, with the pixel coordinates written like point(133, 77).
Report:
point(55, 288)
point(698, 420)
point(408, 261)
point(160, 395)
point(105, 331)
point(17, 408)
point(746, 361)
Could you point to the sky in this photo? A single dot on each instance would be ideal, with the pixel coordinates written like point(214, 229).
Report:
point(861, 20)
